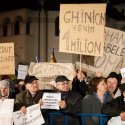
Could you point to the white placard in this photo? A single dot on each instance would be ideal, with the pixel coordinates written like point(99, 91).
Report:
point(22, 71)
point(116, 121)
point(6, 111)
point(32, 117)
point(123, 72)
point(50, 100)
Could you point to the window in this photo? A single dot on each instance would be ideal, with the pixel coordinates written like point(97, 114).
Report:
point(27, 28)
point(17, 25)
point(57, 26)
point(6, 26)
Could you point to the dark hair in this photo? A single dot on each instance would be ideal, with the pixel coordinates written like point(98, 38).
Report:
point(94, 83)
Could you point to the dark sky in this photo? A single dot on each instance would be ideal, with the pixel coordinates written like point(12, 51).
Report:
point(6, 5)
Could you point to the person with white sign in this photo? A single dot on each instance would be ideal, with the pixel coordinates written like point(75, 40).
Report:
point(32, 95)
point(116, 108)
point(70, 102)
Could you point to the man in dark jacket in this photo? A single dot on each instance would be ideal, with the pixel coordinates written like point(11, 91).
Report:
point(116, 107)
point(32, 95)
point(70, 103)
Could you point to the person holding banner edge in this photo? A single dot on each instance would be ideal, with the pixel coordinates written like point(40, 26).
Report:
point(78, 84)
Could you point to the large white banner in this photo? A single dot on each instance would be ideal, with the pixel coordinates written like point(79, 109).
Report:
point(82, 28)
point(114, 54)
point(32, 117)
point(6, 111)
point(47, 72)
point(7, 59)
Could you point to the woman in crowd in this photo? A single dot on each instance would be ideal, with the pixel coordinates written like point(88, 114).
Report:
point(94, 100)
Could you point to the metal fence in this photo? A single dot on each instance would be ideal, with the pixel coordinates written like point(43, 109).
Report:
point(102, 117)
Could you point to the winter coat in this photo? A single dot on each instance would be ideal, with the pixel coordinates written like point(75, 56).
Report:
point(114, 107)
point(79, 86)
point(73, 107)
point(92, 105)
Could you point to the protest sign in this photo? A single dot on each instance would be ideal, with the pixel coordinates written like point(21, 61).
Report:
point(32, 117)
point(47, 72)
point(50, 100)
point(22, 71)
point(82, 28)
point(114, 54)
point(116, 121)
point(7, 60)
point(123, 72)
point(6, 111)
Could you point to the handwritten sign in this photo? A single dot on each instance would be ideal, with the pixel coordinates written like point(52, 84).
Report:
point(50, 100)
point(47, 72)
point(22, 71)
point(114, 54)
point(32, 117)
point(82, 28)
point(7, 61)
point(6, 111)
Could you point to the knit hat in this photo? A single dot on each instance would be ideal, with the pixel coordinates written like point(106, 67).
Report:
point(61, 78)
point(4, 83)
point(114, 75)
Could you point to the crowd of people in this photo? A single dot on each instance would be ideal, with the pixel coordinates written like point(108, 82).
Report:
point(100, 95)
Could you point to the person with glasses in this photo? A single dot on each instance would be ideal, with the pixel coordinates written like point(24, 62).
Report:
point(70, 103)
point(32, 95)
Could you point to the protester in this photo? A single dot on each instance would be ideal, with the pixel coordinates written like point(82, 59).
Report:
point(79, 85)
point(116, 107)
point(94, 100)
point(5, 92)
point(32, 95)
point(113, 83)
point(19, 85)
point(70, 102)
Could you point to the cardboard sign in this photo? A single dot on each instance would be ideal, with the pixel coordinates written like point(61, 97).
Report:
point(7, 59)
point(47, 72)
point(114, 54)
point(82, 28)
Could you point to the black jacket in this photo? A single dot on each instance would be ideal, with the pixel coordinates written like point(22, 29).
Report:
point(80, 87)
point(73, 107)
point(114, 107)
